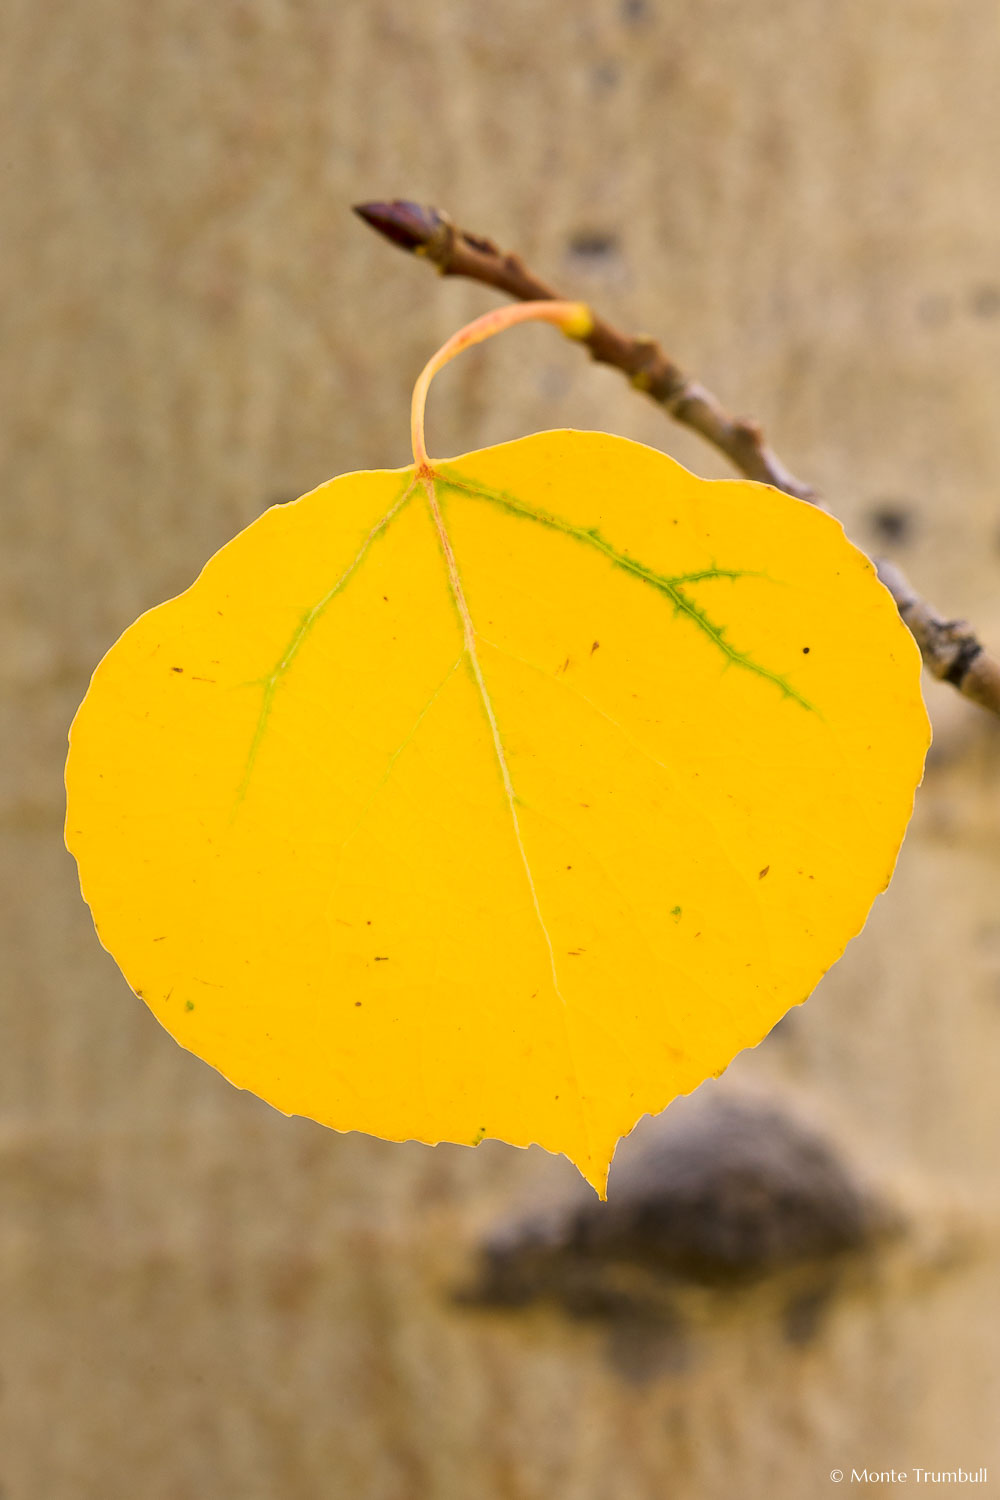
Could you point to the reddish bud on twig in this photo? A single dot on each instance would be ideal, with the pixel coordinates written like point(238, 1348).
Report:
point(411, 226)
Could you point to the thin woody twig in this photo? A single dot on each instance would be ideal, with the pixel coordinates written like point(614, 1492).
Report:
point(950, 650)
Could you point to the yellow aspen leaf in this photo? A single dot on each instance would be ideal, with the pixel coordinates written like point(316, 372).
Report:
point(506, 796)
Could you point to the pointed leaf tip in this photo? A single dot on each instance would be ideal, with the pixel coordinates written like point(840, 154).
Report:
point(596, 1174)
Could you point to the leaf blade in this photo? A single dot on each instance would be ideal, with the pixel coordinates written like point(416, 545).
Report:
point(451, 819)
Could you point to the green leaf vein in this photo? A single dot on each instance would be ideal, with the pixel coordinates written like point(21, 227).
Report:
point(672, 588)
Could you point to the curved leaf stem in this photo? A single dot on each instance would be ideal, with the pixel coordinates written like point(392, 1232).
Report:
point(574, 318)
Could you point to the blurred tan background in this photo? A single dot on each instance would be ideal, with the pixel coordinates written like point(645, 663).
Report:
point(201, 1298)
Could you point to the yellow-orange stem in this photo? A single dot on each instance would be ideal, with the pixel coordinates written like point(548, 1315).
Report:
point(574, 318)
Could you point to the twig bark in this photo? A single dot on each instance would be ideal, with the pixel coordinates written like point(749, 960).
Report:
point(950, 650)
